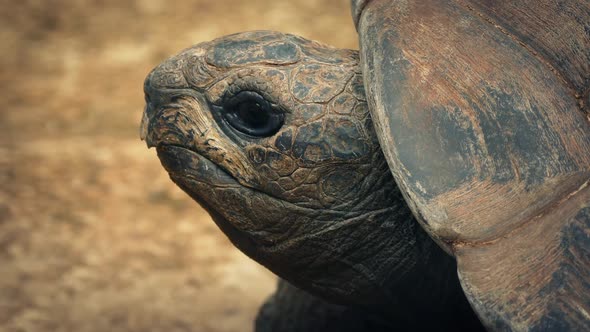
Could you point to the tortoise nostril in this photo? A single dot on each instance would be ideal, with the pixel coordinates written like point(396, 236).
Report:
point(175, 99)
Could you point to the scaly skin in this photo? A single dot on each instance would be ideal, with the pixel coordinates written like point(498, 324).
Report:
point(305, 189)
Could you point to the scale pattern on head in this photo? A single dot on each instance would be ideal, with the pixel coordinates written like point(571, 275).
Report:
point(279, 111)
point(271, 134)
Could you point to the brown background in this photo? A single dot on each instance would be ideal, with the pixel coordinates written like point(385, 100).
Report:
point(93, 234)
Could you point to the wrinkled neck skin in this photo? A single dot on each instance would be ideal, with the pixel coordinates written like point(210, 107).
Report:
point(369, 253)
point(271, 134)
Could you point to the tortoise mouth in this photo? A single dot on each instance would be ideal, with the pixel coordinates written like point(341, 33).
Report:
point(181, 162)
point(201, 178)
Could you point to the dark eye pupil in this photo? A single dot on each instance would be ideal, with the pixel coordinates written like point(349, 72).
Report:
point(249, 113)
point(252, 114)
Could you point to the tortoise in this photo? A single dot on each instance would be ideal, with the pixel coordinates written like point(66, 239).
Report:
point(272, 135)
point(444, 168)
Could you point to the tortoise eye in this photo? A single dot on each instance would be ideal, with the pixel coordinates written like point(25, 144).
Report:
point(249, 113)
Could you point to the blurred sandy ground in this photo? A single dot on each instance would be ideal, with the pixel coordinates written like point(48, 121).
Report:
point(93, 235)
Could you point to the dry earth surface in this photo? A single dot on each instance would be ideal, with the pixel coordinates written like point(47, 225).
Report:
point(93, 234)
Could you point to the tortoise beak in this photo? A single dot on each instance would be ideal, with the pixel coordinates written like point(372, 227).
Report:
point(155, 100)
point(144, 128)
point(148, 112)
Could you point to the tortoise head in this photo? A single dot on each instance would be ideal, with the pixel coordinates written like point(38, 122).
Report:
point(271, 134)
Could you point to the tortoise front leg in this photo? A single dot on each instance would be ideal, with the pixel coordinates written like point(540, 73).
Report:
point(290, 309)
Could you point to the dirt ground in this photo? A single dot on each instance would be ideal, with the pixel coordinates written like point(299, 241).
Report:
point(93, 234)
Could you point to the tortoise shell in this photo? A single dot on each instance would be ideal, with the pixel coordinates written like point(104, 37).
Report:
point(481, 111)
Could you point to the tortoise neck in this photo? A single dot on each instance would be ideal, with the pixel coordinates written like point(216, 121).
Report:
point(428, 294)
